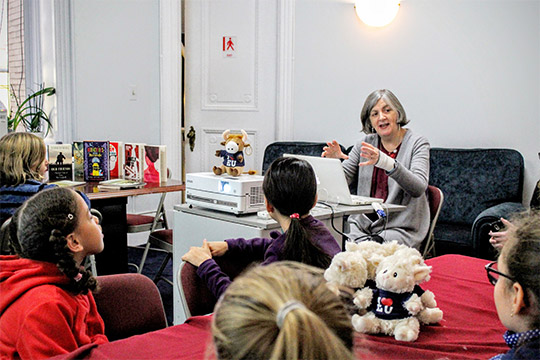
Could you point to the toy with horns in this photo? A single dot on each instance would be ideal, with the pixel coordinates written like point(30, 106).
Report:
point(233, 155)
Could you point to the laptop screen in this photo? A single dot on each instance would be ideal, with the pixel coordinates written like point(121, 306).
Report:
point(332, 185)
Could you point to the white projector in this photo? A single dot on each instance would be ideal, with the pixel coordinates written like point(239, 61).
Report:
point(239, 195)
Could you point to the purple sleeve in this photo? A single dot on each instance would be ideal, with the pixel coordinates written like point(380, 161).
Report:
point(253, 248)
point(210, 272)
point(216, 280)
point(323, 238)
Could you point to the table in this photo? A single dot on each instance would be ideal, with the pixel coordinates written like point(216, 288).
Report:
point(192, 224)
point(470, 328)
point(112, 205)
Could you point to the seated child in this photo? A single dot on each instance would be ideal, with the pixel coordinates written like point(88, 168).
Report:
point(290, 191)
point(282, 311)
point(47, 307)
point(23, 164)
point(517, 288)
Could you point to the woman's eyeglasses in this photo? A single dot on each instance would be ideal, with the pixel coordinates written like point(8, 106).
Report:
point(493, 274)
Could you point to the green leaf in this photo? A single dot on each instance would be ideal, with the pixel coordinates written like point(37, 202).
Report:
point(30, 112)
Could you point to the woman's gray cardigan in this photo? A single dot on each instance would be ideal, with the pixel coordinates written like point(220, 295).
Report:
point(407, 185)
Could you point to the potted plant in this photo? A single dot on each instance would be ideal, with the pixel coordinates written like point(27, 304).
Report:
point(30, 112)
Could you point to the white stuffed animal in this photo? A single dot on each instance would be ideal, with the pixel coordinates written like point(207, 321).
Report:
point(374, 252)
point(398, 304)
point(347, 269)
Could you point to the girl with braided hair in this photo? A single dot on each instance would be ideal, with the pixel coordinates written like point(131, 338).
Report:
point(290, 191)
point(47, 307)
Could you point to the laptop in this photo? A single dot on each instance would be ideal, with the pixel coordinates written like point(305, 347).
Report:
point(332, 185)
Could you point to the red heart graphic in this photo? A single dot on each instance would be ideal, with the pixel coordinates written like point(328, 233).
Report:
point(386, 302)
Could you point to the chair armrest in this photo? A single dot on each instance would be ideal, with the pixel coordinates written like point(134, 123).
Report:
point(481, 226)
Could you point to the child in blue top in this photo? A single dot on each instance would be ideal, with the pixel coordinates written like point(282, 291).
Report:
point(23, 164)
point(290, 191)
point(517, 288)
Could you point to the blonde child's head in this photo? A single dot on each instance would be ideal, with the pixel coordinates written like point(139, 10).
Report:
point(22, 157)
point(284, 310)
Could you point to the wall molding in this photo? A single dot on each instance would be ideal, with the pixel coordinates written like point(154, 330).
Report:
point(285, 70)
point(66, 98)
point(242, 68)
point(170, 13)
point(32, 49)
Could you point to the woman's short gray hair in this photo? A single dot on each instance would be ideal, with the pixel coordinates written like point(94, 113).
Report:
point(372, 100)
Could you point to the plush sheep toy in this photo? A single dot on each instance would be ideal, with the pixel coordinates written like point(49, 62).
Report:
point(398, 304)
point(373, 252)
point(355, 268)
point(348, 268)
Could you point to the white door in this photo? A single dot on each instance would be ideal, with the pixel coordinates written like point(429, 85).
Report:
point(230, 77)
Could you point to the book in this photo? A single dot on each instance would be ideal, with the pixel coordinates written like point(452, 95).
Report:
point(78, 161)
point(96, 160)
point(134, 155)
point(118, 184)
point(68, 183)
point(155, 163)
point(116, 160)
point(60, 157)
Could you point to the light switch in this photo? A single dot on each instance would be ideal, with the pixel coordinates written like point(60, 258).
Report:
point(132, 92)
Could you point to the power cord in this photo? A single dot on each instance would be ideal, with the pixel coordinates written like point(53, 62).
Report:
point(383, 219)
point(332, 218)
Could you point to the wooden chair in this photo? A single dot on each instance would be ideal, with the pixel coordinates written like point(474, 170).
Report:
point(130, 304)
point(435, 200)
point(195, 296)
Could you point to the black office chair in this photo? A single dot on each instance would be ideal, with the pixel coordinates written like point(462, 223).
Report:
point(278, 148)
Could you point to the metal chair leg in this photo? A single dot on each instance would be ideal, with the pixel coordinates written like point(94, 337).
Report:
point(91, 262)
point(162, 268)
point(143, 259)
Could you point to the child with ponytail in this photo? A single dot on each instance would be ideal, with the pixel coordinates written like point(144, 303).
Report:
point(283, 311)
point(46, 306)
point(290, 190)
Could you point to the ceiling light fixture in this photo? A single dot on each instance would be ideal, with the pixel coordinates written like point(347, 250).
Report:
point(377, 13)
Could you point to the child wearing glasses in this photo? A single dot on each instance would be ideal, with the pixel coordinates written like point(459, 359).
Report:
point(517, 288)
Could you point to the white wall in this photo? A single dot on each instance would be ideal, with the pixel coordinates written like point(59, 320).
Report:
point(466, 71)
point(116, 48)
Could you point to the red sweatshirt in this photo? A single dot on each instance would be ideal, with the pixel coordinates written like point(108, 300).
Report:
point(39, 319)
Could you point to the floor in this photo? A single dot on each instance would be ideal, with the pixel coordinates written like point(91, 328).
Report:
point(151, 267)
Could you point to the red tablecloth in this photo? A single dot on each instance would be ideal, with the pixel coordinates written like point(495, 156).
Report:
point(470, 328)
